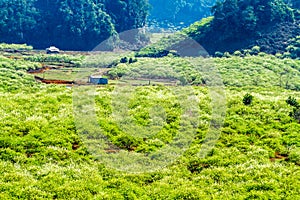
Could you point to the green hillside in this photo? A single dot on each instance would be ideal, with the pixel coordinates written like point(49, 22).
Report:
point(209, 112)
point(43, 154)
point(176, 14)
point(68, 24)
point(239, 26)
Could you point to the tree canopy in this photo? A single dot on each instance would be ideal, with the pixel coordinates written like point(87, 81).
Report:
point(179, 11)
point(240, 17)
point(68, 24)
point(242, 24)
point(127, 14)
point(293, 3)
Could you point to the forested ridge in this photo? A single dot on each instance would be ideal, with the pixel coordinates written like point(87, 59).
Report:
point(69, 24)
point(272, 25)
point(240, 27)
point(178, 13)
point(82, 25)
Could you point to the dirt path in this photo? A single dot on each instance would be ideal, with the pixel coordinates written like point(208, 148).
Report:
point(49, 81)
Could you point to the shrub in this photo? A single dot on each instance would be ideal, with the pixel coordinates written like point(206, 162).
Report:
point(218, 54)
point(296, 114)
point(4, 46)
point(247, 52)
point(287, 55)
point(237, 53)
point(255, 50)
point(263, 54)
point(292, 102)
point(226, 55)
point(132, 60)
point(296, 110)
point(124, 60)
point(126, 142)
point(294, 48)
point(152, 52)
point(294, 156)
point(248, 98)
point(278, 55)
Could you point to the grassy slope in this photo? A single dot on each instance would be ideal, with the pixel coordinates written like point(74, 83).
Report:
point(280, 39)
point(43, 157)
point(264, 70)
point(37, 159)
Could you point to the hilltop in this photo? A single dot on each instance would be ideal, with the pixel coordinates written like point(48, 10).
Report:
point(44, 155)
point(272, 27)
point(68, 24)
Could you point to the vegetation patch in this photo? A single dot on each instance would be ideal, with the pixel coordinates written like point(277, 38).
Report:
point(256, 156)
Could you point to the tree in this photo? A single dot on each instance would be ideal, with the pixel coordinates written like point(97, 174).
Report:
point(127, 14)
point(178, 11)
point(68, 24)
point(293, 3)
point(292, 102)
point(17, 19)
point(247, 99)
point(239, 17)
point(296, 108)
point(82, 24)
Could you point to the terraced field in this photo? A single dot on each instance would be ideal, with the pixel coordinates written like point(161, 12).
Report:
point(58, 142)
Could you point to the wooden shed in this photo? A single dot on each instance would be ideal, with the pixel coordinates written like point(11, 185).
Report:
point(99, 80)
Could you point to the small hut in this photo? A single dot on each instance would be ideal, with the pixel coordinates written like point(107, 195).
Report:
point(99, 80)
point(52, 50)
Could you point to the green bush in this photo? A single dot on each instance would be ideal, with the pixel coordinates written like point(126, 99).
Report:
point(124, 60)
point(43, 156)
point(247, 99)
point(132, 60)
point(218, 54)
point(294, 155)
point(4, 46)
point(57, 58)
point(255, 50)
point(226, 55)
point(152, 52)
point(293, 50)
point(237, 53)
point(296, 108)
point(292, 101)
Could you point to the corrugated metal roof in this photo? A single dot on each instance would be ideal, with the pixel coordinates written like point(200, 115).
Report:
point(53, 48)
point(96, 76)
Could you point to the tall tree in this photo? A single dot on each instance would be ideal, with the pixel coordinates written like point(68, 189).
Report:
point(178, 11)
point(82, 24)
point(235, 17)
point(293, 3)
point(17, 20)
point(127, 14)
point(68, 24)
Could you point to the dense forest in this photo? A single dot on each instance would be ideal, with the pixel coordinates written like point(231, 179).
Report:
point(240, 27)
point(293, 3)
point(69, 24)
point(237, 25)
point(175, 13)
point(81, 25)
